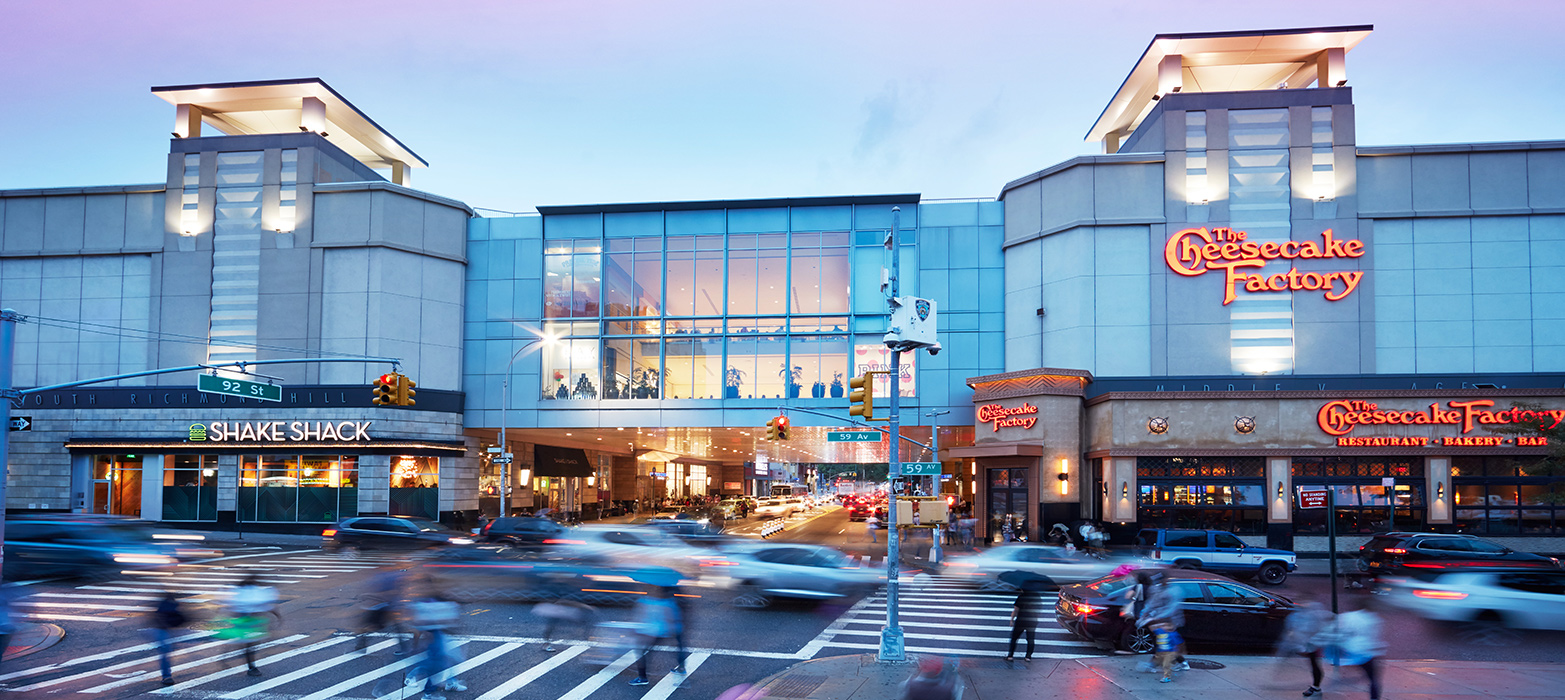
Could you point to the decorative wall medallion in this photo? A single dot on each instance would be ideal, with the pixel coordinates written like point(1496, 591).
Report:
point(1244, 424)
point(1157, 426)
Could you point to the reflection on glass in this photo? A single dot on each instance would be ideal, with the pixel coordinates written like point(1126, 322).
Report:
point(631, 368)
point(694, 367)
point(570, 369)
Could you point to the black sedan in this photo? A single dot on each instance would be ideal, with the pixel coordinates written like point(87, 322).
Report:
point(1217, 611)
point(524, 532)
point(391, 533)
point(1417, 553)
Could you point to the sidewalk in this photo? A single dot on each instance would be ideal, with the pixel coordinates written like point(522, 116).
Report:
point(861, 677)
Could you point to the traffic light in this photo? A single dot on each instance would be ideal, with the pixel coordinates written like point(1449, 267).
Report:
point(405, 391)
point(771, 428)
point(385, 390)
point(862, 397)
point(782, 427)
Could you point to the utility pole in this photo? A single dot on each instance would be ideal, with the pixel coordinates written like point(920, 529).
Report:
point(8, 319)
point(935, 535)
point(892, 642)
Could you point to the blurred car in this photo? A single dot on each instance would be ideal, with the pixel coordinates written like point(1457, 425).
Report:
point(81, 545)
point(633, 546)
point(390, 533)
point(862, 509)
point(1405, 552)
point(731, 507)
point(1216, 550)
point(1056, 564)
point(1217, 610)
point(762, 572)
point(772, 508)
point(696, 532)
point(523, 531)
point(1482, 602)
point(489, 572)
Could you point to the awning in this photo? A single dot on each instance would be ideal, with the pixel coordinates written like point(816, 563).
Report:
point(560, 461)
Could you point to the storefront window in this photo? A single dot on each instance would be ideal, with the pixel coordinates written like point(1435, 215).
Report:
point(116, 485)
point(694, 367)
point(1364, 508)
point(757, 367)
point(415, 483)
point(190, 487)
point(821, 364)
point(633, 277)
point(820, 282)
point(573, 272)
point(631, 368)
point(695, 276)
point(570, 368)
point(1247, 521)
point(1244, 467)
point(293, 488)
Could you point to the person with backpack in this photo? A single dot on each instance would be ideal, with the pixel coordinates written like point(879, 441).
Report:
point(166, 618)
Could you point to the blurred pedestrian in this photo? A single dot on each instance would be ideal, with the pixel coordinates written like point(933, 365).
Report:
point(166, 618)
point(381, 606)
point(563, 611)
point(871, 524)
point(1303, 633)
point(252, 605)
point(1165, 607)
point(1358, 642)
point(932, 682)
point(7, 626)
point(1168, 649)
point(659, 616)
point(1024, 618)
point(1059, 535)
point(434, 615)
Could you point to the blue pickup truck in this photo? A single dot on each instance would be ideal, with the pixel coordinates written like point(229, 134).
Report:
point(1216, 551)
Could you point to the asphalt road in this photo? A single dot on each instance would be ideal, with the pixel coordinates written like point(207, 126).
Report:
point(104, 653)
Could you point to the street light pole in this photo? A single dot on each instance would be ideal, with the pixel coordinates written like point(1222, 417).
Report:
point(892, 643)
point(505, 447)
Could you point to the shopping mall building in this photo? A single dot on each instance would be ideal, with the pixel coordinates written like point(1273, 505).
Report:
point(1233, 302)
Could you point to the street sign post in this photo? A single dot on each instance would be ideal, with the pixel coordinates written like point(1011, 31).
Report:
point(853, 436)
point(22, 423)
point(502, 460)
point(920, 469)
point(213, 384)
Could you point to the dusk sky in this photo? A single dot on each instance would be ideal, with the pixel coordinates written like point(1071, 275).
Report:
point(517, 104)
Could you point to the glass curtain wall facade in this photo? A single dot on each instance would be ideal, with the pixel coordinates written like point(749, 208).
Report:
point(1259, 202)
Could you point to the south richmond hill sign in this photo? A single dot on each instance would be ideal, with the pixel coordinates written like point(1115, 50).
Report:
point(1193, 252)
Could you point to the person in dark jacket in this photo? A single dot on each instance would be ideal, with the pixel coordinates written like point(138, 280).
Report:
point(1024, 619)
point(166, 618)
point(932, 682)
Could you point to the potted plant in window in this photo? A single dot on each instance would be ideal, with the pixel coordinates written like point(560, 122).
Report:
point(818, 390)
point(792, 378)
point(836, 385)
point(733, 379)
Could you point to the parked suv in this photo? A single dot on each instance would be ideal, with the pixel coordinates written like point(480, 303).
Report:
point(1217, 551)
point(1409, 553)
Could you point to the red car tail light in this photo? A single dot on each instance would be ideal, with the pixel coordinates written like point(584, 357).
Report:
point(328, 532)
point(1083, 609)
point(1395, 550)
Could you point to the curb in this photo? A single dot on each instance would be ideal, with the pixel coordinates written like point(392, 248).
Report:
point(761, 685)
point(52, 635)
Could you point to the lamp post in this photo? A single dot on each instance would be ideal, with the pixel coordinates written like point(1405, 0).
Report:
point(505, 447)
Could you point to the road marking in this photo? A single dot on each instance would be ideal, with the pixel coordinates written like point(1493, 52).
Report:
point(958, 638)
point(813, 647)
point(262, 554)
point(454, 671)
point(946, 616)
point(95, 596)
point(100, 671)
point(598, 679)
point(241, 669)
point(99, 657)
point(587, 643)
point(669, 683)
point(842, 531)
point(143, 590)
point(149, 675)
point(947, 651)
point(361, 679)
point(302, 672)
point(521, 680)
point(74, 618)
point(87, 606)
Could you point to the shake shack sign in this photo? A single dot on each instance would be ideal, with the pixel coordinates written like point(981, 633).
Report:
point(280, 431)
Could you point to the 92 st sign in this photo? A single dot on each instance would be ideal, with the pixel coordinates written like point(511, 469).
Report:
point(213, 384)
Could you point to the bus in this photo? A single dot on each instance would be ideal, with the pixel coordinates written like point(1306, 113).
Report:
point(789, 490)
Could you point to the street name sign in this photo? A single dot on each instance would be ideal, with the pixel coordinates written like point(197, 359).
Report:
point(853, 436)
point(920, 469)
point(501, 460)
point(213, 384)
point(22, 423)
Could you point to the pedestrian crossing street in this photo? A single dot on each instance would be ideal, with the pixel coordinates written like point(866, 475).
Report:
point(136, 592)
point(948, 616)
point(323, 666)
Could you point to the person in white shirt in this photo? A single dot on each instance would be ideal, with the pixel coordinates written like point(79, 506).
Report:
point(250, 604)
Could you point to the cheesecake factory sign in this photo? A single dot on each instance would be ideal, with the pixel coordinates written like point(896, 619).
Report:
point(281, 431)
point(1338, 418)
point(1193, 252)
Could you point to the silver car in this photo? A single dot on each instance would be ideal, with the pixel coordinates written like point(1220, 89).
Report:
point(1057, 564)
point(762, 572)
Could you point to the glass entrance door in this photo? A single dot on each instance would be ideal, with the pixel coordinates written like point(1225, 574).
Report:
point(116, 485)
point(1008, 498)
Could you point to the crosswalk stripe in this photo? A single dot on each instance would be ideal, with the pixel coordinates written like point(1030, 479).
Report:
point(296, 674)
point(96, 596)
point(98, 657)
point(958, 638)
point(158, 589)
point(149, 675)
point(519, 681)
point(591, 685)
point(74, 618)
point(84, 606)
point(955, 652)
point(203, 680)
point(670, 682)
point(945, 616)
point(951, 626)
point(115, 667)
point(361, 679)
point(457, 670)
point(921, 606)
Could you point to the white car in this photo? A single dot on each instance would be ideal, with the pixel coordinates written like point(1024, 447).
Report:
point(762, 572)
point(635, 546)
point(1058, 564)
point(1484, 602)
point(778, 507)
